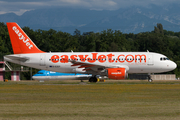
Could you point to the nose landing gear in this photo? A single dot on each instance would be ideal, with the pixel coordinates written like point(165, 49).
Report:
point(149, 78)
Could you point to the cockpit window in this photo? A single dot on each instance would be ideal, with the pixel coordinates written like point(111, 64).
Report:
point(164, 58)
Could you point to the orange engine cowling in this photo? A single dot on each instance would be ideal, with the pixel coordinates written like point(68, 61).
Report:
point(116, 73)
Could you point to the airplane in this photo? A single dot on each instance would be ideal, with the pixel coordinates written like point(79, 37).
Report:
point(114, 65)
point(50, 75)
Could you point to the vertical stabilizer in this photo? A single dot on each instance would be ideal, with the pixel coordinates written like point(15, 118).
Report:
point(21, 43)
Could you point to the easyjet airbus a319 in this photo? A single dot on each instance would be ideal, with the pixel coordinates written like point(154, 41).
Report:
point(114, 65)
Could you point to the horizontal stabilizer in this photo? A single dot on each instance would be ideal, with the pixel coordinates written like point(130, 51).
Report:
point(17, 58)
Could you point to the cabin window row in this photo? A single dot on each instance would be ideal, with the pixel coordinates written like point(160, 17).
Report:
point(96, 59)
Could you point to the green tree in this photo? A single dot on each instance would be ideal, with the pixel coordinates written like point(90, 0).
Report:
point(159, 29)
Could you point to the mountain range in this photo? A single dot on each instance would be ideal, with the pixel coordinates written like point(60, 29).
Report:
point(128, 20)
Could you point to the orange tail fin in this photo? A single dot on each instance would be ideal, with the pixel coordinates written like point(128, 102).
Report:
point(21, 43)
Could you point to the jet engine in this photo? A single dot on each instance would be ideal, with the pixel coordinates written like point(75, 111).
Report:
point(116, 73)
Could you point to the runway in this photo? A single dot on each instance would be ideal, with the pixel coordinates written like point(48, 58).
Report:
point(74, 100)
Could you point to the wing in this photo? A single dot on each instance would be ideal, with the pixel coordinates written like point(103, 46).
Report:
point(96, 67)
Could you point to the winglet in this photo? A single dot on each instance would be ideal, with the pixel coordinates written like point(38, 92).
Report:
point(21, 43)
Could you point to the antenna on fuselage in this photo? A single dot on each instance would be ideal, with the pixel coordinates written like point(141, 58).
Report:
point(71, 51)
point(147, 50)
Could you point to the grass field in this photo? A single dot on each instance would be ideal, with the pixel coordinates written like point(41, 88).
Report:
point(61, 100)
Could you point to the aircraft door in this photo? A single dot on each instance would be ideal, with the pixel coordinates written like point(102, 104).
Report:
point(42, 60)
point(150, 59)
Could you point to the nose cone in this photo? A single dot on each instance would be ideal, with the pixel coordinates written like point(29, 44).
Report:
point(173, 65)
point(169, 66)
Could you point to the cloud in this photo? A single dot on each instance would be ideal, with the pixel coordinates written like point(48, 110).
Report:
point(72, 1)
point(21, 6)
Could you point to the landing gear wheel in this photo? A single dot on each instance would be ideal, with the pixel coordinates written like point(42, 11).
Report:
point(92, 79)
point(150, 80)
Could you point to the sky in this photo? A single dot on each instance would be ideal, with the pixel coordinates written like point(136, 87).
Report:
point(20, 6)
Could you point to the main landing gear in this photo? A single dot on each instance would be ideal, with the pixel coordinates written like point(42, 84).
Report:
point(93, 79)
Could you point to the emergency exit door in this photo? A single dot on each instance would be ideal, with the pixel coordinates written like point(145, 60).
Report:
point(42, 60)
point(150, 60)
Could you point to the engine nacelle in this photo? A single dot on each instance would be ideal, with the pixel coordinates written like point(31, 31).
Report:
point(116, 73)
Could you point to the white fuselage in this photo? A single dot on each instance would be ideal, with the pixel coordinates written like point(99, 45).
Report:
point(134, 62)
